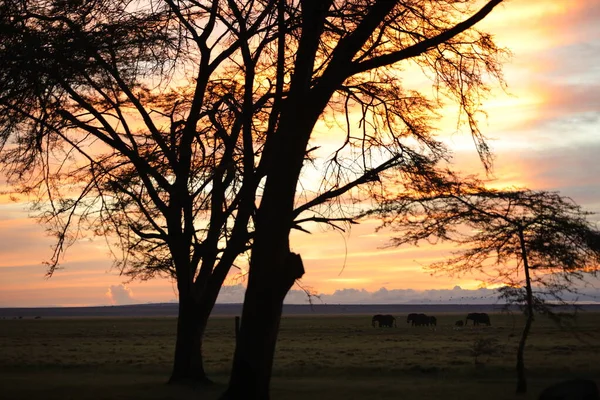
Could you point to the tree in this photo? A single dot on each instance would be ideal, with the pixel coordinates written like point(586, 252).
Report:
point(114, 120)
point(167, 122)
point(537, 244)
point(348, 57)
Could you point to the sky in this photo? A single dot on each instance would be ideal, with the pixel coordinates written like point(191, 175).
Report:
point(544, 131)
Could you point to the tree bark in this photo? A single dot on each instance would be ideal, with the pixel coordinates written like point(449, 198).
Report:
point(255, 348)
point(188, 365)
point(273, 267)
point(521, 378)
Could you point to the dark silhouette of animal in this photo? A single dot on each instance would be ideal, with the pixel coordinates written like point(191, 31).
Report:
point(575, 389)
point(384, 320)
point(478, 318)
point(375, 319)
point(432, 321)
point(411, 317)
point(459, 323)
point(417, 319)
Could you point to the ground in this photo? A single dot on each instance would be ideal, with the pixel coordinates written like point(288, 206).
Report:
point(321, 357)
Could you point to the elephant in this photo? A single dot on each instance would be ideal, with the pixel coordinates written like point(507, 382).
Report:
point(574, 389)
point(478, 318)
point(411, 317)
point(376, 318)
point(459, 323)
point(383, 320)
point(417, 319)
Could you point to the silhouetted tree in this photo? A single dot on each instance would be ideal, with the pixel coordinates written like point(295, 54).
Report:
point(537, 244)
point(117, 120)
point(346, 59)
point(164, 123)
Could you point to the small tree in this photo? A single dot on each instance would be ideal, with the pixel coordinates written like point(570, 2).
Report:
point(483, 347)
point(538, 244)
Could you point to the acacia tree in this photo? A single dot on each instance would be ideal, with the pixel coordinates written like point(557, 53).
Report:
point(346, 57)
point(114, 121)
point(537, 244)
point(163, 123)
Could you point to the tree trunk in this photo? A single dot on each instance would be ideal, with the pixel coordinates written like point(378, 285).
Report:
point(521, 379)
point(273, 268)
point(188, 366)
point(255, 348)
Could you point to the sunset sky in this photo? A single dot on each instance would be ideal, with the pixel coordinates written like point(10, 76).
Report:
point(545, 133)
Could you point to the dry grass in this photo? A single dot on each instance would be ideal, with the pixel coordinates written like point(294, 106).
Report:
point(318, 356)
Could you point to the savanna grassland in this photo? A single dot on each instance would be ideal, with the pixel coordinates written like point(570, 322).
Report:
point(318, 357)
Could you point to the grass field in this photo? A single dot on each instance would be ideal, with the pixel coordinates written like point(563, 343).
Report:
point(320, 357)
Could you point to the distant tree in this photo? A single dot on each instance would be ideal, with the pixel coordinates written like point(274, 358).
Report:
point(185, 131)
point(484, 347)
point(537, 244)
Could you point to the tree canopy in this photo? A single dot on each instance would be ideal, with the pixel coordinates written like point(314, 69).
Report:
point(143, 121)
point(562, 244)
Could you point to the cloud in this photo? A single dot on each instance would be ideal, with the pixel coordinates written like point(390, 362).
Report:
point(411, 296)
point(456, 295)
point(553, 77)
point(120, 294)
point(572, 170)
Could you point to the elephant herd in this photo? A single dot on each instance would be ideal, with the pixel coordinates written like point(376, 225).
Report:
point(389, 321)
point(421, 320)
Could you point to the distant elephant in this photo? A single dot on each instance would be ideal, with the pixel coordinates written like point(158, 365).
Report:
point(478, 318)
point(459, 323)
point(383, 320)
point(575, 389)
point(376, 318)
point(411, 317)
point(417, 319)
